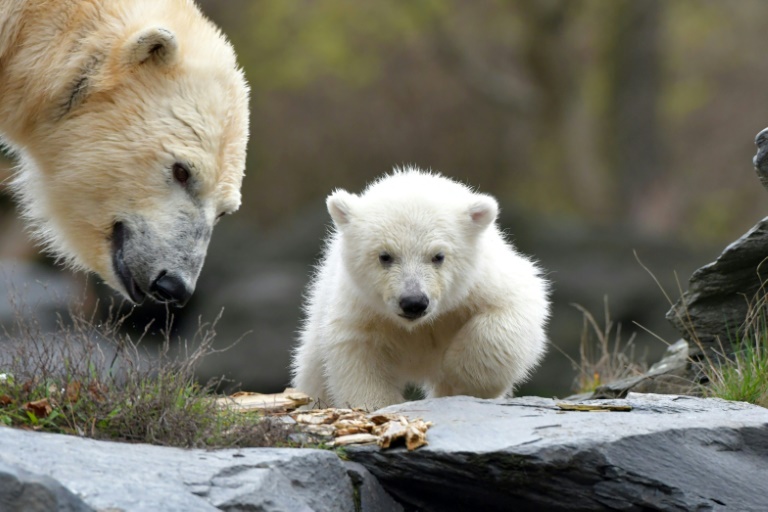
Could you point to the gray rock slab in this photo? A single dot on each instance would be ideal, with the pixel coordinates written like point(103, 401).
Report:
point(372, 496)
point(669, 453)
point(136, 477)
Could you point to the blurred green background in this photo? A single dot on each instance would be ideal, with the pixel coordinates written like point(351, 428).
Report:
point(603, 127)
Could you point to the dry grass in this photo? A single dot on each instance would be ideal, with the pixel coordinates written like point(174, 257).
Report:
point(603, 356)
point(90, 379)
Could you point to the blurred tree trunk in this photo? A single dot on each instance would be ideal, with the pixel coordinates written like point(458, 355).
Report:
point(538, 83)
point(631, 139)
point(549, 62)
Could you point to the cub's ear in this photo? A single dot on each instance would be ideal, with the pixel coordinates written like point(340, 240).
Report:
point(154, 44)
point(340, 205)
point(483, 211)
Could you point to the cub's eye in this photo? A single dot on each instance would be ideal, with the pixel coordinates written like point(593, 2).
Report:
point(385, 258)
point(180, 173)
point(221, 215)
point(438, 258)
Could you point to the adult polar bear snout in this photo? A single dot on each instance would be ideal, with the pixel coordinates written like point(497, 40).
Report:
point(160, 262)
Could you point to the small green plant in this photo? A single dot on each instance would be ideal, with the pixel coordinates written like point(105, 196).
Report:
point(90, 379)
point(603, 356)
point(741, 373)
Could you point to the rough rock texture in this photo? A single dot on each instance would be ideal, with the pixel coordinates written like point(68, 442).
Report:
point(669, 453)
point(134, 477)
point(713, 309)
point(27, 492)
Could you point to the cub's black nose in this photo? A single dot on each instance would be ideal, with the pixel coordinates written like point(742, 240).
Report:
point(414, 306)
point(170, 288)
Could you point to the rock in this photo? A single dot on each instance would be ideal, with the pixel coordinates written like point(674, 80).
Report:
point(372, 496)
point(713, 310)
point(669, 453)
point(760, 160)
point(135, 477)
point(22, 491)
point(710, 314)
point(674, 373)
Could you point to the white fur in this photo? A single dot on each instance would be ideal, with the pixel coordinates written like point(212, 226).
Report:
point(484, 327)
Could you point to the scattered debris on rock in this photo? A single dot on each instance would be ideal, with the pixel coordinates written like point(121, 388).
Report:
point(343, 427)
point(334, 427)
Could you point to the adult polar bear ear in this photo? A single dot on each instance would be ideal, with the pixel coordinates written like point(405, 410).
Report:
point(340, 205)
point(153, 44)
point(483, 212)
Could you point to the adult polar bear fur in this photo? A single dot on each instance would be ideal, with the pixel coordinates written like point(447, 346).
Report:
point(418, 285)
point(129, 120)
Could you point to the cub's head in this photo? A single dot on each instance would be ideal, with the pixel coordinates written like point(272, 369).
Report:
point(142, 151)
point(410, 242)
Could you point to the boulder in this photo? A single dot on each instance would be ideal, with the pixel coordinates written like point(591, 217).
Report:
point(667, 453)
point(136, 477)
point(711, 312)
point(713, 309)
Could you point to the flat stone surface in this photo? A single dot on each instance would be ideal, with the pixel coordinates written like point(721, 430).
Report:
point(668, 453)
point(136, 477)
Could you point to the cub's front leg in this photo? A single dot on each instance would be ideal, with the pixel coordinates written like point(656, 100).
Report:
point(489, 355)
point(359, 373)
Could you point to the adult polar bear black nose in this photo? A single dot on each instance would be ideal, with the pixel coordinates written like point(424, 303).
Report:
point(172, 289)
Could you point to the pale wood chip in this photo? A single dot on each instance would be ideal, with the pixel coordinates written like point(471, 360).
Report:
point(244, 401)
point(348, 431)
point(319, 430)
point(390, 432)
point(355, 439)
point(380, 419)
point(416, 434)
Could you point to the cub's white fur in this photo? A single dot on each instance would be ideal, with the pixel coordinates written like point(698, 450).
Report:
point(418, 285)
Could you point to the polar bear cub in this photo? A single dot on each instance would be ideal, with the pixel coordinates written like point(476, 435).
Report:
point(418, 286)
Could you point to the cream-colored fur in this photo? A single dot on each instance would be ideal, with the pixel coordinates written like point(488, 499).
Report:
point(416, 234)
point(98, 101)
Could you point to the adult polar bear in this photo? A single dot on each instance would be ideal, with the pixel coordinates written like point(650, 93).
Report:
point(129, 120)
point(418, 285)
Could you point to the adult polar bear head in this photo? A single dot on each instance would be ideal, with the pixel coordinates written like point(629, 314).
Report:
point(130, 122)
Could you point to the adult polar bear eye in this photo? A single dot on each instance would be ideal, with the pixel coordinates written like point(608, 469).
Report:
point(180, 173)
point(385, 258)
point(438, 258)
